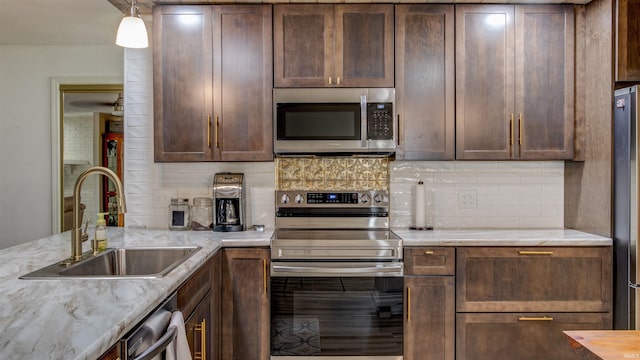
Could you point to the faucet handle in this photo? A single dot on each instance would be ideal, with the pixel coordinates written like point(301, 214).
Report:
point(83, 234)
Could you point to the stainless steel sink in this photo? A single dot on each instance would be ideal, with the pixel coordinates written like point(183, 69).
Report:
point(120, 263)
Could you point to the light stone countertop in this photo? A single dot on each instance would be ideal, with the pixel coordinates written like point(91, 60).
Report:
point(81, 319)
point(500, 237)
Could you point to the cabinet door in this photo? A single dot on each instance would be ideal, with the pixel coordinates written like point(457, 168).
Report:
point(534, 279)
point(245, 304)
point(484, 81)
point(544, 81)
point(303, 45)
point(523, 336)
point(199, 299)
point(182, 83)
point(430, 320)
point(243, 80)
point(425, 95)
point(364, 45)
point(627, 59)
point(198, 330)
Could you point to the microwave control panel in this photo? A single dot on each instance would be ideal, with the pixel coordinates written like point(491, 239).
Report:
point(379, 121)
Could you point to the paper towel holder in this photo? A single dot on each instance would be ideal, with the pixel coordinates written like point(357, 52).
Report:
point(420, 225)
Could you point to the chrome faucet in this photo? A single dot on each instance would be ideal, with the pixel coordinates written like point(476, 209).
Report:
point(76, 233)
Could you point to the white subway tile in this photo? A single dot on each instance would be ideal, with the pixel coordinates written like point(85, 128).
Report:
point(542, 222)
point(520, 211)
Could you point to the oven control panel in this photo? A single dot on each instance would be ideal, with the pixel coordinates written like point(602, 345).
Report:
point(299, 198)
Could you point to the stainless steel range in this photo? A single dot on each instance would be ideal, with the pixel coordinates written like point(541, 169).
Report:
point(336, 277)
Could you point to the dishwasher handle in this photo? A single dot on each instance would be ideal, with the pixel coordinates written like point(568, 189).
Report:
point(160, 345)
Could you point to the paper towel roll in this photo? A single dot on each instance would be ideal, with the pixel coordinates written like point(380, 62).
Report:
point(421, 208)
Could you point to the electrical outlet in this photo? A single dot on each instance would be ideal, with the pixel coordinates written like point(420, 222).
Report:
point(467, 199)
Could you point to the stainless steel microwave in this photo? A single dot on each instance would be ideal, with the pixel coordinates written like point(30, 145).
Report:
point(334, 120)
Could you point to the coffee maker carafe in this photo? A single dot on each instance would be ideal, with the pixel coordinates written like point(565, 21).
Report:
point(229, 202)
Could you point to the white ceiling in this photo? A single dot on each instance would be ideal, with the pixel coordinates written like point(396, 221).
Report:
point(58, 22)
point(89, 102)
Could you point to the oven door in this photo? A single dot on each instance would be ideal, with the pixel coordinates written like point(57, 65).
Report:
point(327, 315)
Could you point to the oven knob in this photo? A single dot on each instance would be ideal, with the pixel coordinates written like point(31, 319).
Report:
point(284, 199)
point(378, 198)
point(365, 198)
point(299, 199)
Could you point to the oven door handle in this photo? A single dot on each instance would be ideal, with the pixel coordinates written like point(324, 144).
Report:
point(394, 269)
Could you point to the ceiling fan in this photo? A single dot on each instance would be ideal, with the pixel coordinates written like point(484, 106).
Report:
point(97, 102)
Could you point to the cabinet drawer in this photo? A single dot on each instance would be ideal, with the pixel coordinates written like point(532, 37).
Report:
point(523, 336)
point(194, 288)
point(429, 261)
point(561, 279)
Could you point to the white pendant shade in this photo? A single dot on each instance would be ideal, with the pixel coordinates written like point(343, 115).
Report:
point(132, 33)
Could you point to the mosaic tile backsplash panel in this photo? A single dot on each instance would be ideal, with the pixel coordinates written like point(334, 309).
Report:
point(332, 173)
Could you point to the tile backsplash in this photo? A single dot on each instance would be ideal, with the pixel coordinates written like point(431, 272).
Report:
point(332, 173)
point(485, 194)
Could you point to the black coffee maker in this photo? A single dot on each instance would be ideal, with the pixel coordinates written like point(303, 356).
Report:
point(228, 202)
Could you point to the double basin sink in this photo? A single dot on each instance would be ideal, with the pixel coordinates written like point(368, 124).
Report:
point(119, 263)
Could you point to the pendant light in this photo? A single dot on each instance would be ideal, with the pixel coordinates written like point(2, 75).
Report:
point(132, 32)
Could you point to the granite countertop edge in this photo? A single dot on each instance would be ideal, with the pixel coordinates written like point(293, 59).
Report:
point(92, 315)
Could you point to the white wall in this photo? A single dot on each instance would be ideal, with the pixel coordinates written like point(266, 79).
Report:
point(25, 128)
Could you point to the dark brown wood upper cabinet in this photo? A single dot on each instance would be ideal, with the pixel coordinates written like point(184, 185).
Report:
point(425, 82)
point(182, 82)
point(628, 53)
point(212, 83)
point(323, 45)
point(514, 82)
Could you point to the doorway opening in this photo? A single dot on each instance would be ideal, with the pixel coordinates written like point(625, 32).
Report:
point(88, 131)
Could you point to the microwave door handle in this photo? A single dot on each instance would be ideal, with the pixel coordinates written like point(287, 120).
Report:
point(363, 120)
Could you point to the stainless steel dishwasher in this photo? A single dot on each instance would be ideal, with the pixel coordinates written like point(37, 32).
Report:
point(149, 339)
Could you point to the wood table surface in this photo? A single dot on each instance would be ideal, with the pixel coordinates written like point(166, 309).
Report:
point(605, 344)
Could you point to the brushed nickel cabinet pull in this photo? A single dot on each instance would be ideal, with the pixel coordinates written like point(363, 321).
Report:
point(544, 318)
point(524, 252)
point(209, 131)
point(428, 252)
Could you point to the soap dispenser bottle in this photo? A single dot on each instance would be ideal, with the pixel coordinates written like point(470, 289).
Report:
point(100, 238)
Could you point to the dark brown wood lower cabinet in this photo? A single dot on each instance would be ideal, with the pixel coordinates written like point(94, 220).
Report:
point(245, 304)
point(522, 336)
point(429, 332)
point(112, 354)
point(199, 301)
point(198, 328)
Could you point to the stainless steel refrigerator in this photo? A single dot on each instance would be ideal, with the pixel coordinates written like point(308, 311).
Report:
point(625, 207)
